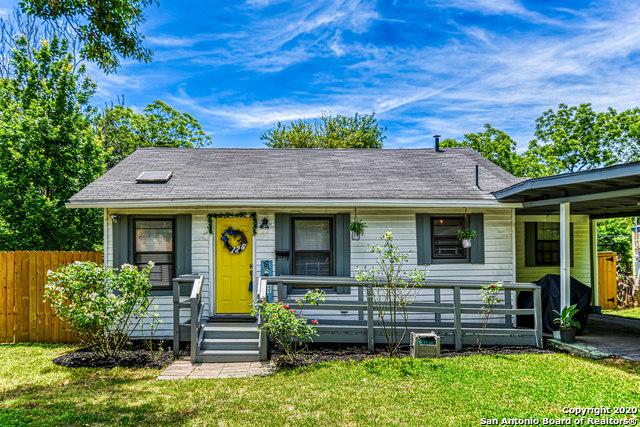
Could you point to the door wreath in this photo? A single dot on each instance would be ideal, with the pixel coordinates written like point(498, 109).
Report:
point(239, 235)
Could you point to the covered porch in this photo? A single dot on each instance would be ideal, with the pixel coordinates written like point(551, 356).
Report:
point(598, 194)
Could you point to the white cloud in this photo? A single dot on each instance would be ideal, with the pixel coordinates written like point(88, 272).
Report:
point(456, 88)
point(489, 7)
point(472, 75)
point(170, 41)
point(335, 44)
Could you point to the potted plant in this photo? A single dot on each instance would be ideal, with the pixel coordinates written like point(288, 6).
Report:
point(567, 325)
point(357, 227)
point(466, 235)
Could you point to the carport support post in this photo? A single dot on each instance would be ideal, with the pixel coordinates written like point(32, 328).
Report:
point(595, 298)
point(565, 254)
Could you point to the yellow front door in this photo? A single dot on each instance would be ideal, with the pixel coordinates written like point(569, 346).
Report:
point(233, 265)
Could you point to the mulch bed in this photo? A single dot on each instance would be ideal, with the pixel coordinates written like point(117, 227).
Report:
point(136, 355)
point(316, 355)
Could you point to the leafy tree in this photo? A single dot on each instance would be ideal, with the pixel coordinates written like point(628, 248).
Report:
point(573, 138)
point(359, 131)
point(122, 130)
point(627, 147)
point(48, 150)
point(495, 145)
point(615, 235)
point(106, 29)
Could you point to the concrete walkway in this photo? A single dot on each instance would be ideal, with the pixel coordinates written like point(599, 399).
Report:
point(183, 368)
point(616, 336)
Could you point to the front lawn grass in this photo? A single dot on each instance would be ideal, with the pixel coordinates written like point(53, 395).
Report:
point(451, 391)
point(633, 313)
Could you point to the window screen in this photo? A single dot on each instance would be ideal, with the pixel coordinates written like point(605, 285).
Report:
point(153, 241)
point(445, 243)
point(312, 251)
point(547, 243)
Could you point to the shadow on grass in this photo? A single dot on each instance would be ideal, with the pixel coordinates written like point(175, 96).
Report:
point(627, 366)
point(89, 397)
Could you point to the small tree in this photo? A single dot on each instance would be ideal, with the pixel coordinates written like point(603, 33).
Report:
point(102, 305)
point(490, 298)
point(286, 326)
point(392, 289)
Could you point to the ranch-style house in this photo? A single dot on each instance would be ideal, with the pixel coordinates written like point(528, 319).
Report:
point(226, 227)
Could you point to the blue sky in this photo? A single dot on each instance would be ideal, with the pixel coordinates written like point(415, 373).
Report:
point(442, 66)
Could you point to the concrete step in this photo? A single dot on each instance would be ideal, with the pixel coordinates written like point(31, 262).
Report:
point(212, 356)
point(230, 344)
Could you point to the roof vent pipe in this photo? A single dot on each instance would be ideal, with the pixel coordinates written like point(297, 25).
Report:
point(478, 177)
point(437, 143)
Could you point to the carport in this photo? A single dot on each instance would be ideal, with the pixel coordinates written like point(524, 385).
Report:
point(599, 193)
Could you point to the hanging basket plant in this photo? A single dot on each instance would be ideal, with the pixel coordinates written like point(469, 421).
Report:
point(466, 235)
point(357, 227)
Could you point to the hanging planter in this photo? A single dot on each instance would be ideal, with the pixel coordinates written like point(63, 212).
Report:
point(357, 227)
point(466, 235)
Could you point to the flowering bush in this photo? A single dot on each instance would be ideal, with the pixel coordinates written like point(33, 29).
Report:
point(102, 305)
point(286, 326)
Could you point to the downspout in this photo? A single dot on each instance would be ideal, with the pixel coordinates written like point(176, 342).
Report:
point(105, 236)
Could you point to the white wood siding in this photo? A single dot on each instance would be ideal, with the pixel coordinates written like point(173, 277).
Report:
point(498, 238)
point(581, 269)
point(499, 257)
point(200, 252)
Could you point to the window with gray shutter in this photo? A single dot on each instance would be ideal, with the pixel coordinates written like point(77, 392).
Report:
point(311, 245)
point(154, 242)
point(437, 241)
point(164, 240)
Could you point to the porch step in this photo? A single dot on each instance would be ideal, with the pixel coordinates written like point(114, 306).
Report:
point(212, 356)
point(230, 342)
point(231, 331)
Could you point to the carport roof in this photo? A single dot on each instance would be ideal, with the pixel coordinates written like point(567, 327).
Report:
point(612, 191)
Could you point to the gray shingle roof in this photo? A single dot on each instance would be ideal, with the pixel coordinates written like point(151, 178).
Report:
point(222, 174)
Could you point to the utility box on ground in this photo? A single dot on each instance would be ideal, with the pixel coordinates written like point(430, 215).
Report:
point(425, 345)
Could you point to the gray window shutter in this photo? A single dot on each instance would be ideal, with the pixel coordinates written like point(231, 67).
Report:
point(342, 250)
point(283, 244)
point(183, 245)
point(423, 238)
point(476, 252)
point(529, 244)
point(122, 237)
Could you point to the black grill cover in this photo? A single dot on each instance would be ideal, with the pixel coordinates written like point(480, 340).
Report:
point(550, 292)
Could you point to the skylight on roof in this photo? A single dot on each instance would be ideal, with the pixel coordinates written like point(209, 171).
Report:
point(151, 177)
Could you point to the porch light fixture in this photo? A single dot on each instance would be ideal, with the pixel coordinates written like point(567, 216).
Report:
point(265, 224)
point(114, 218)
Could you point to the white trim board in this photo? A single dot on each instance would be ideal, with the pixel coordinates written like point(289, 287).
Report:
point(255, 203)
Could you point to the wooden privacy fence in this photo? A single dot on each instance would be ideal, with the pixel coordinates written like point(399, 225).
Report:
point(24, 314)
point(607, 280)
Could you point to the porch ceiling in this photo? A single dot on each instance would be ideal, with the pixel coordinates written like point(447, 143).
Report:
point(601, 193)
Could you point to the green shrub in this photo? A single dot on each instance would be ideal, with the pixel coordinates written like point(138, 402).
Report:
point(101, 305)
point(392, 288)
point(287, 327)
